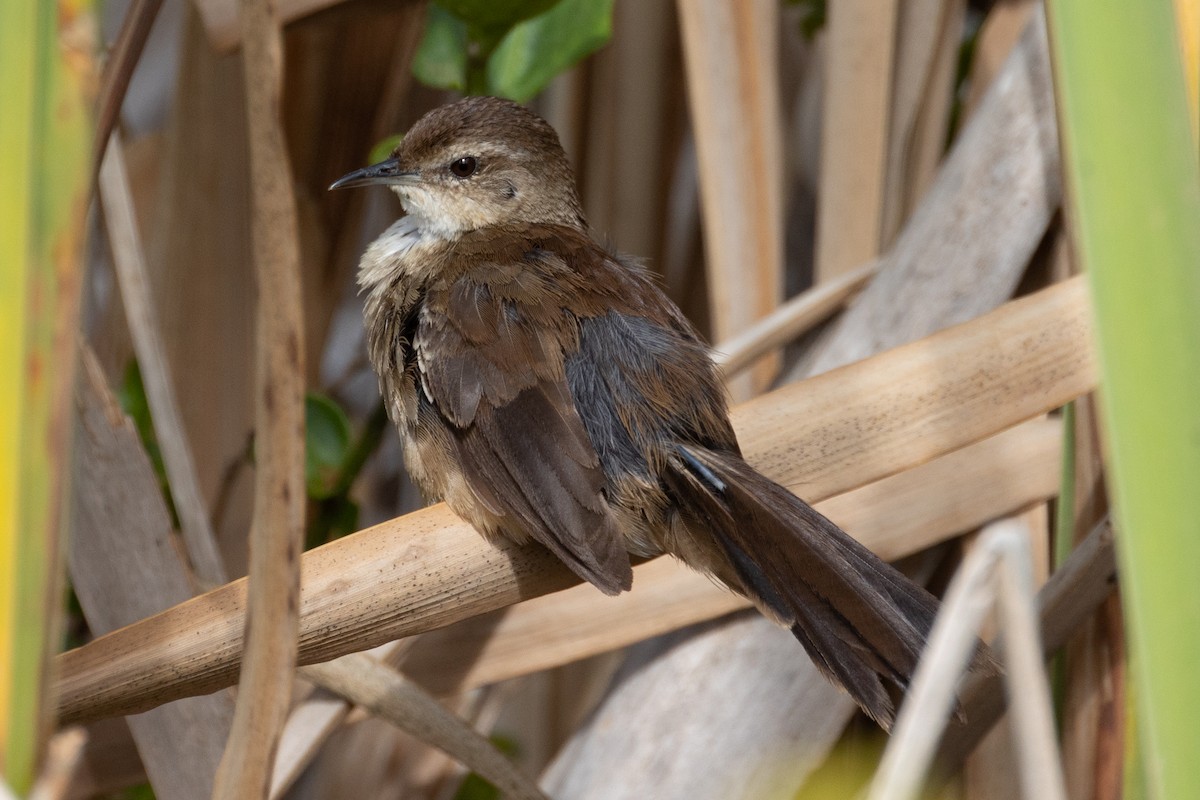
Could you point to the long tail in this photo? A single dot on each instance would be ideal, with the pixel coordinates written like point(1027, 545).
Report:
point(861, 621)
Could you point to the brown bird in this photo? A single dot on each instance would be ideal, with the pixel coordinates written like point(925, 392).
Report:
point(547, 389)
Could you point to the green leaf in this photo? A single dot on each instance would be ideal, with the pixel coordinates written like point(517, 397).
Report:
point(143, 791)
point(131, 395)
point(1133, 191)
point(813, 14)
point(494, 16)
point(535, 51)
point(474, 786)
point(441, 58)
point(327, 445)
point(335, 517)
point(383, 149)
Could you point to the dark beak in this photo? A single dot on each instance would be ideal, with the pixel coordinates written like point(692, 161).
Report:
point(385, 172)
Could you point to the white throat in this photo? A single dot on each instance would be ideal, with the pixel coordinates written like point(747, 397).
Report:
point(395, 250)
point(438, 214)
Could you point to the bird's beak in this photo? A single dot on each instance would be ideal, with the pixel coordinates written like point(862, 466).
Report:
point(385, 172)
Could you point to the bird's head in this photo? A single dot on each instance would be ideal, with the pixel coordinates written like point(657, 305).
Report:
point(475, 163)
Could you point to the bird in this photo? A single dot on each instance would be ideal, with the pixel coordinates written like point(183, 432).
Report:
point(547, 390)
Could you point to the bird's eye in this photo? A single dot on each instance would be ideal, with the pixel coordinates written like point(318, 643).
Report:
point(464, 167)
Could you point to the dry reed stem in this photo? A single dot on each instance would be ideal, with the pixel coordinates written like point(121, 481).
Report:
point(429, 569)
point(311, 722)
point(929, 33)
point(860, 50)
point(272, 619)
point(729, 54)
point(790, 321)
point(129, 262)
point(1066, 601)
point(118, 70)
point(200, 240)
point(221, 18)
point(998, 573)
point(914, 402)
point(388, 694)
point(64, 752)
point(965, 248)
point(998, 34)
point(618, 115)
point(126, 564)
point(111, 761)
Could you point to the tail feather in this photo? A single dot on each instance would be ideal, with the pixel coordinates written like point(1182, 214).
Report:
point(861, 621)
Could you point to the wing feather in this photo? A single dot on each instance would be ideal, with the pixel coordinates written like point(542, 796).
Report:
point(495, 379)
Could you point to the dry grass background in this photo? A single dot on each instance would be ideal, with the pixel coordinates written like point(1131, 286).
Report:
point(904, 161)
